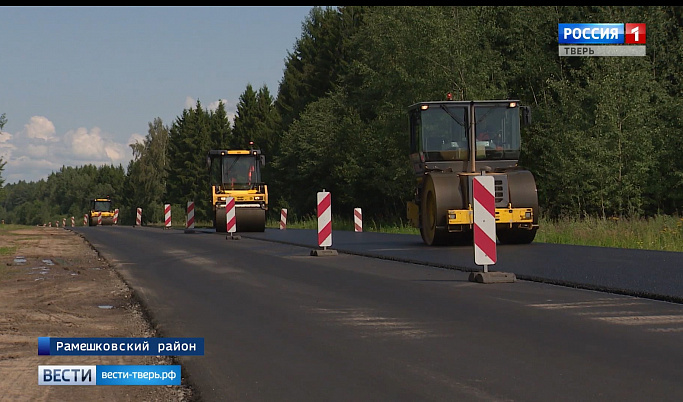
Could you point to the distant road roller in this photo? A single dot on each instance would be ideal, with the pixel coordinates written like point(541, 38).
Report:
point(452, 141)
point(101, 209)
point(237, 174)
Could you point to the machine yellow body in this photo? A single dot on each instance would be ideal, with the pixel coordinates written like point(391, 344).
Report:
point(450, 143)
point(101, 212)
point(237, 174)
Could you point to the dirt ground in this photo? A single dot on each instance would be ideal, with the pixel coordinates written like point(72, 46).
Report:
point(55, 284)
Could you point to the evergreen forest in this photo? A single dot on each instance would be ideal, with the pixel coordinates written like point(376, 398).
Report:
point(606, 138)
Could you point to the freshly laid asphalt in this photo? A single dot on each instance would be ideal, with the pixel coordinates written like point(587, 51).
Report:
point(280, 324)
point(643, 273)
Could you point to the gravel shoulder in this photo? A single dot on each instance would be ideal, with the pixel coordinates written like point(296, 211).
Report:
point(53, 283)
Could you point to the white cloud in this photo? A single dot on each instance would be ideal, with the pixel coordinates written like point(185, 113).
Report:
point(41, 128)
point(5, 137)
point(135, 137)
point(38, 150)
point(190, 103)
point(27, 169)
point(84, 144)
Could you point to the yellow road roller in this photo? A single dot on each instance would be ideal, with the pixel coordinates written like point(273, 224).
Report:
point(236, 173)
point(450, 143)
point(101, 212)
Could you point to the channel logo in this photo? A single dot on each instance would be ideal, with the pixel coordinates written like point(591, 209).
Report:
point(634, 34)
point(601, 34)
point(109, 375)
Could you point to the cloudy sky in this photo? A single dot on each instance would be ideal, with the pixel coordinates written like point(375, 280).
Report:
point(78, 84)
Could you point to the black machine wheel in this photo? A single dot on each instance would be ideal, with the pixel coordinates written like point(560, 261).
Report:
point(441, 191)
point(219, 222)
point(523, 194)
point(430, 234)
point(247, 220)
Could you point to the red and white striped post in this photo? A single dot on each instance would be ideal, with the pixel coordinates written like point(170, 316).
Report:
point(189, 223)
point(484, 221)
point(283, 219)
point(357, 220)
point(116, 216)
point(485, 231)
point(324, 219)
point(73, 221)
point(85, 219)
point(230, 218)
point(63, 222)
point(167, 216)
point(49, 224)
point(324, 200)
point(138, 217)
point(99, 219)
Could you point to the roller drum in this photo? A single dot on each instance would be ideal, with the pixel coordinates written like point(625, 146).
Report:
point(247, 219)
point(523, 194)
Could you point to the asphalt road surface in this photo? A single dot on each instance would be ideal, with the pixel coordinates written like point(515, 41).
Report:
point(282, 325)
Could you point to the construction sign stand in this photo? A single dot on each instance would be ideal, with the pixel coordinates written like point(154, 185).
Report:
point(230, 219)
point(485, 231)
point(167, 216)
point(324, 224)
point(189, 221)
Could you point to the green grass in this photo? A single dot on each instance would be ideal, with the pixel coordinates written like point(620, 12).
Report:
point(6, 228)
point(7, 250)
point(659, 233)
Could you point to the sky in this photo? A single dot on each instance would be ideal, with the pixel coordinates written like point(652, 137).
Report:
point(79, 84)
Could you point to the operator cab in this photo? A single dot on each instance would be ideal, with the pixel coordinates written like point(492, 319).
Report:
point(100, 205)
point(235, 170)
point(443, 133)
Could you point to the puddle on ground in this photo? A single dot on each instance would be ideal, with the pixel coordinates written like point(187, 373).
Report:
point(48, 262)
point(39, 270)
point(19, 260)
point(106, 307)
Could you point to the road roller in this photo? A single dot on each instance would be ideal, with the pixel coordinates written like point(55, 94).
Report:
point(450, 143)
point(101, 212)
point(236, 173)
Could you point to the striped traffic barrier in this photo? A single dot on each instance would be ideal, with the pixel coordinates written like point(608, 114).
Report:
point(324, 201)
point(73, 222)
point(99, 219)
point(283, 219)
point(63, 222)
point(49, 224)
point(85, 219)
point(189, 222)
point(484, 221)
point(485, 231)
point(357, 220)
point(116, 216)
point(230, 218)
point(167, 216)
point(138, 217)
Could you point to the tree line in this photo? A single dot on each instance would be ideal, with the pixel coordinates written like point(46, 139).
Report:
point(604, 139)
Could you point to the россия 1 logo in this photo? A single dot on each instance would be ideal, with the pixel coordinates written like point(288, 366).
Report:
point(622, 36)
point(634, 33)
point(591, 34)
